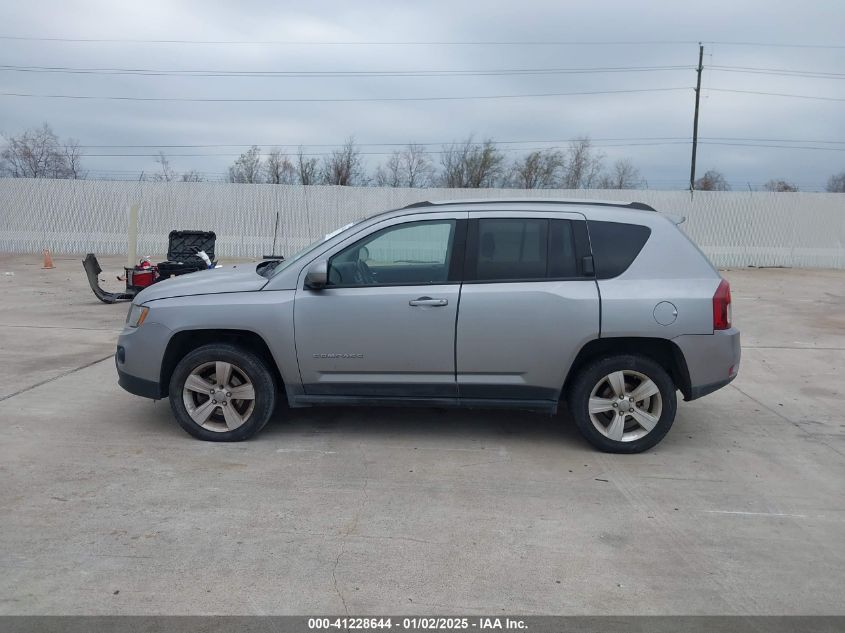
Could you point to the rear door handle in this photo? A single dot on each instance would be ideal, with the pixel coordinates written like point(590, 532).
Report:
point(428, 301)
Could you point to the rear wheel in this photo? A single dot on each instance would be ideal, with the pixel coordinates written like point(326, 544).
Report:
point(623, 404)
point(222, 393)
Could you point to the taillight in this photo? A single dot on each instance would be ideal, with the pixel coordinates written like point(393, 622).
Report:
point(722, 306)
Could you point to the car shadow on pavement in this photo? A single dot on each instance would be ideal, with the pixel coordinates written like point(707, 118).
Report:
point(381, 422)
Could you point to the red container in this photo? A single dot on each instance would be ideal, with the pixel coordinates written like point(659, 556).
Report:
point(140, 278)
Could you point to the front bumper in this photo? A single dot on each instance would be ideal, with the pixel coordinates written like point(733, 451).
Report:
point(138, 386)
point(138, 359)
point(712, 360)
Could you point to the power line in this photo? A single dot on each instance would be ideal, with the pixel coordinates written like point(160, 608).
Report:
point(336, 73)
point(337, 100)
point(370, 153)
point(769, 140)
point(829, 149)
point(786, 72)
point(780, 70)
point(165, 72)
point(400, 144)
point(777, 94)
point(84, 40)
point(376, 99)
point(776, 44)
point(89, 40)
point(595, 141)
point(444, 151)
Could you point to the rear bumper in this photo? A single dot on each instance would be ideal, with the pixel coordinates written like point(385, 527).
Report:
point(712, 360)
point(703, 390)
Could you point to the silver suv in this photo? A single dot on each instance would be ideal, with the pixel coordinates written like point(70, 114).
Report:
point(496, 303)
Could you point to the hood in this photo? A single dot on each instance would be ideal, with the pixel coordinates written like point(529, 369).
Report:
point(237, 278)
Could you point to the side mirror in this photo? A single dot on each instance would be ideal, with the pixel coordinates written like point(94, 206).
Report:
point(317, 276)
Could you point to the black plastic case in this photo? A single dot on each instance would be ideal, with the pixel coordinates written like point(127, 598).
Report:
point(182, 248)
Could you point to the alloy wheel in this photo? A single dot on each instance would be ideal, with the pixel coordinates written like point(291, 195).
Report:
point(219, 396)
point(625, 405)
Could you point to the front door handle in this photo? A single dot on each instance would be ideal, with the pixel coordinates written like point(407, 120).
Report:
point(428, 301)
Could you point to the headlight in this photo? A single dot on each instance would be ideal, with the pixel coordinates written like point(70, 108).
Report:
point(136, 315)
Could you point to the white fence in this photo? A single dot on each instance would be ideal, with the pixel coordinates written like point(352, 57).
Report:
point(80, 216)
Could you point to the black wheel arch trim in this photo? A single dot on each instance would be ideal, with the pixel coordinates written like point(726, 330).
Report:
point(663, 351)
point(183, 342)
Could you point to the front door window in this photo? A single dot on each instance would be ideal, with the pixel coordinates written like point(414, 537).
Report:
point(416, 253)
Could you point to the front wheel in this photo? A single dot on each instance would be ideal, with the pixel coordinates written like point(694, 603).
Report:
point(222, 393)
point(623, 404)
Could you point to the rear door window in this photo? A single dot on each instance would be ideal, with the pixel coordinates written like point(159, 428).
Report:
point(562, 259)
point(525, 249)
point(510, 249)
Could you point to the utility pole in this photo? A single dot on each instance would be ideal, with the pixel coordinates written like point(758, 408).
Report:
point(695, 117)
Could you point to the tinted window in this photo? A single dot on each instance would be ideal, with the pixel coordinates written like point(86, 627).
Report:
point(511, 249)
point(615, 246)
point(562, 261)
point(412, 253)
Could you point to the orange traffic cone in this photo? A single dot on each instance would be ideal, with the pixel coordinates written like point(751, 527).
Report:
point(48, 259)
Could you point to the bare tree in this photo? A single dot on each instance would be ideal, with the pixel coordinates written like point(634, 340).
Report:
point(278, 169)
point(416, 166)
point(623, 175)
point(343, 166)
point(583, 165)
point(836, 183)
point(712, 180)
point(38, 153)
point(780, 185)
point(486, 165)
point(388, 175)
point(307, 168)
point(410, 167)
point(247, 168)
point(73, 160)
point(192, 176)
point(165, 171)
point(453, 160)
point(540, 169)
point(472, 165)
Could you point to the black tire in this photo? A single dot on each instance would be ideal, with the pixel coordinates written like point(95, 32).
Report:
point(590, 376)
point(255, 369)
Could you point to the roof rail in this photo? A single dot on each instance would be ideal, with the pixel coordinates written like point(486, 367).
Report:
point(641, 206)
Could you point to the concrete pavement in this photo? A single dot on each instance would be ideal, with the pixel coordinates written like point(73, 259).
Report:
point(107, 507)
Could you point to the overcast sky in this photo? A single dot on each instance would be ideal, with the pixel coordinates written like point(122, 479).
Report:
point(648, 117)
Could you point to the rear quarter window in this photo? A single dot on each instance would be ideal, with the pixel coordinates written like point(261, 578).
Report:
point(615, 246)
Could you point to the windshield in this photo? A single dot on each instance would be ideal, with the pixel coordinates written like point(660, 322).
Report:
point(298, 255)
